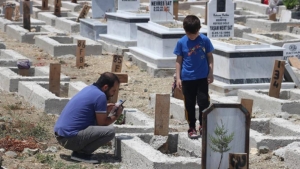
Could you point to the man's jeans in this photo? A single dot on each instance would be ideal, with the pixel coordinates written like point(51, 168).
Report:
point(89, 139)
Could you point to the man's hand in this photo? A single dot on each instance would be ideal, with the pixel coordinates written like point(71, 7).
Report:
point(119, 111)
point(179, 84)
point(210, 78)
point(109, 107)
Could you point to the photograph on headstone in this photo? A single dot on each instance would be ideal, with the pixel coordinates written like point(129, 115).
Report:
point(220, 19)
point(225, 130)
point(291, 50)
point(128, 5)
point(161, 10)
point(100, 7)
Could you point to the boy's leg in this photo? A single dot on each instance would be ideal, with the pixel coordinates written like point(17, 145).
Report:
point(189, 89)
point(89, 139)
point(203, 99)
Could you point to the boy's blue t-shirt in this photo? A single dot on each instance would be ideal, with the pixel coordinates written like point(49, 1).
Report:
point(194, 62)
point(80, 111)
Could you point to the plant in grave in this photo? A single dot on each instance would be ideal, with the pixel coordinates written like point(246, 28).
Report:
point(290, 4)
point(221, 141)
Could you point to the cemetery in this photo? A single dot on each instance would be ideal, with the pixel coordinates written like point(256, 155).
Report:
point(52, 49)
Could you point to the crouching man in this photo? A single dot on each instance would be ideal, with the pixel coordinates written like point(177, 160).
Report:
point(84, 125)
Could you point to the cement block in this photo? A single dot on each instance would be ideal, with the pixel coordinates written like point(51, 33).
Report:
point(92, 28)
point(289, 100)
point(4, 22)
point(37, 8)
point(293, 29)
point(266, 25)
point(10, 78)
point(240, 29)
point(188, 147)
point(9, 58)
point(63, 45)
point(72, 6)
point(50, 18)
point(23, 35)
point(136, 153)
point(281, 127)
point(68, 24)
point(261, 125)
point(38, 95)
point(292, 156)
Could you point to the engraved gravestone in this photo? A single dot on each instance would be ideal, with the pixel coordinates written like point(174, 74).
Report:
point(290, 50)
point(100, 7)
point(161, 10)
point(220, 19)
point(128, 5)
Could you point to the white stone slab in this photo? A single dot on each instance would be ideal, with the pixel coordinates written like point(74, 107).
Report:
point(100, 7)
point(220, 19)
point(128, 5)
point(291, 50)
point(285, 16)
point(157, 12)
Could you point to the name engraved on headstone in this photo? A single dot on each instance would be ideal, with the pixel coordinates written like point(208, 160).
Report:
point(161, 10)
point(220, 19)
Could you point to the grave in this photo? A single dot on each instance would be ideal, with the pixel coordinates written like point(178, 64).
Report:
point(137, 147)
point(50, 18)
point(288, 101)
point(10, 77)
point(66, 45)
point(273, 38)
point(4, 22)
point(38, 94)
point(272, 132)
point(92, 28)
point(268, 25)
point(121, 26)
point(256, 7)
point(67, 24)
point(156, 41)
point(9, 58)
point(23, 35)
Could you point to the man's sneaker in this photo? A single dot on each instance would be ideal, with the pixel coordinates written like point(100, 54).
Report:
point(192, 133)
point(200, 130)
point(82, 157)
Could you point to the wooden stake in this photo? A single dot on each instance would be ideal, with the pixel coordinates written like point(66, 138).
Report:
point(276, 80)
point(54, 78)
point(84, 12)
point(74, 1)
point(45, 5)
point(123, 79)
point(272, 17)
point(117, 63)
point(26, 15)
point(238, 160)
point(294, 61)
point(248, 104)
point(162, 113)
point(175, 9)
point(24, 72)
point(205, 18)
point(80, 54)
point(8, 12)
point(57, 5)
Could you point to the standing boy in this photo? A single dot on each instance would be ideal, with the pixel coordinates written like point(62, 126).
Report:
point(194, 71)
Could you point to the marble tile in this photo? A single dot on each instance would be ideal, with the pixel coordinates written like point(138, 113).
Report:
point(100, 7)
point(128, 5)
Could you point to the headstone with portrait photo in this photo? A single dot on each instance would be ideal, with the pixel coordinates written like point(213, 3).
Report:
point(220, 19)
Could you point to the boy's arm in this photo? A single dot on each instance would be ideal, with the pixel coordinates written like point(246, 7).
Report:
point(178, 71)
point(210, 58)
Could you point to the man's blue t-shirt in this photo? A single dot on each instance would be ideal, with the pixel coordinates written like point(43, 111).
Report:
point(80, 111)
point(194, 62)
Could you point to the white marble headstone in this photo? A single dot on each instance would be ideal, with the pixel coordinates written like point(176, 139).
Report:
point(128, 5)
point(161, 10)
point(100, 7)
point(285, 16)
point(290, 50)
point(233, 120)
point(220, 19)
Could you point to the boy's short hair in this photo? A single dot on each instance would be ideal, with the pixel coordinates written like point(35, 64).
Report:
point(191, 24)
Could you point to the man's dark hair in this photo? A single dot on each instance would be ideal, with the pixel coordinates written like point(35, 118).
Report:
point(191, 24)
point(107, 78)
